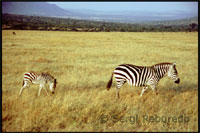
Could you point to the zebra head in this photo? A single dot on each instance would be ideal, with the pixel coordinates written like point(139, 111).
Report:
point(173, 74)
point(52, 85)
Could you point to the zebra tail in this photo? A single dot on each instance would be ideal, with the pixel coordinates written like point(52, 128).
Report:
point(109, 82)
point(23, 83)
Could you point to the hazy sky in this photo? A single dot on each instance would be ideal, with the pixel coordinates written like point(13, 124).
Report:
point(191, 7)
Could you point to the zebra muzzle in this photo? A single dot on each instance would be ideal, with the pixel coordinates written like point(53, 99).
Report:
point(177, 81)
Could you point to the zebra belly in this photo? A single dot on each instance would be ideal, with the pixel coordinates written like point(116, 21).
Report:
point(36, 82)
point(123, 80)
point(141, 85)
point(120, 80)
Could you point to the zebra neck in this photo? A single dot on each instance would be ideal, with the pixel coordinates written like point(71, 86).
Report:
point(161, 71)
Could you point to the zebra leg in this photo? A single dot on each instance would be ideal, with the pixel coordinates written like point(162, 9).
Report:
point(143, 90)
point(41, 86)
point(119, 85)
point(153, 89)
point(46, 90)
point(117, 93)
point(24, 86)
point(21, 90)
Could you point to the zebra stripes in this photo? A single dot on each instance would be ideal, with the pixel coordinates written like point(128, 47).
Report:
point(134, 75)
point(39, 78)
point(142, 75)
point(30, 76)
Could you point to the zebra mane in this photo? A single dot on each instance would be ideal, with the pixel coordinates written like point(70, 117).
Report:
point(159, 64)
point(32, 72)
point(47, 74)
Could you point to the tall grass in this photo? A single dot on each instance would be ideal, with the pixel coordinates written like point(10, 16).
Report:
point(82, 63)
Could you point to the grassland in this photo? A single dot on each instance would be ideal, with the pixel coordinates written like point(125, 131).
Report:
point(82, 63)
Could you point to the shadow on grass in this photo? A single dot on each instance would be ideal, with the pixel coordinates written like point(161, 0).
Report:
point(183, 87)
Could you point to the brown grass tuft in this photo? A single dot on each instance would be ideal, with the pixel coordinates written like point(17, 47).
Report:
point(42, 60)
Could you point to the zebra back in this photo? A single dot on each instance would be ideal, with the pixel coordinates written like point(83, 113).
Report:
point(135, 75)
point(30, 76)
point(34, 76)
point(47, 76)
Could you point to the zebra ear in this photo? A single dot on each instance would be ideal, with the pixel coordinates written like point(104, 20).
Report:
point(174, 64)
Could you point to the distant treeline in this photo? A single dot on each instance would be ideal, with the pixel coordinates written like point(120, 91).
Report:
point(22, 22)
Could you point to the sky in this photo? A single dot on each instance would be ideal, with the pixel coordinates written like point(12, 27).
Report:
point(191, 7)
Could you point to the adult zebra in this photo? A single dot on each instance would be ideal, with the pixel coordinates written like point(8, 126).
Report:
point(39, 78)
point(143, 75)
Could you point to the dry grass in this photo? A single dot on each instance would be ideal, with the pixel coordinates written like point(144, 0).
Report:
point(83, 63)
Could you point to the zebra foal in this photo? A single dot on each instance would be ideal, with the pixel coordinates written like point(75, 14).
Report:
point(143, 75)
point(39, 78)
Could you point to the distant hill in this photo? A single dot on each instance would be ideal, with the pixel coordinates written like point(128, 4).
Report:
point(51, 10)
point(22, 22)
point(33, 8)
point(127, 16)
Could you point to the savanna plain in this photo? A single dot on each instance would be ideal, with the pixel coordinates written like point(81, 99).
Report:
point(82, 63)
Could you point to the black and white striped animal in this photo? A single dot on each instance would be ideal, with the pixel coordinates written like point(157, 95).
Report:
point(143, 75)
point(39, 78)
